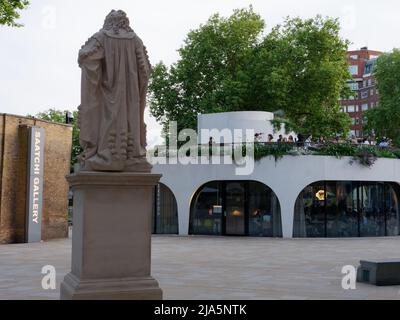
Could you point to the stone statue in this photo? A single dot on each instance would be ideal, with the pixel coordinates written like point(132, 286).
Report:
point(114, 176)
point(115, 74)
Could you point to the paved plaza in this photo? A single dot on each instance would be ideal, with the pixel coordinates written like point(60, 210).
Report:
point(219, 267)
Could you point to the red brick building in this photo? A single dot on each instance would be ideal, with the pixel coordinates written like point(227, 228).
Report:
point(362, 63)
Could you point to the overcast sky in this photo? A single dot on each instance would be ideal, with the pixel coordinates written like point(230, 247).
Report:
point(38, 67)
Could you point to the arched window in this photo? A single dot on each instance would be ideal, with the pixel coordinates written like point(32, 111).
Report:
point(165, 212)
point(241, 208)
point(347, 209)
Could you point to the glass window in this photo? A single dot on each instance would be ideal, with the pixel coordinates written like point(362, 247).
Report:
point(353, 86)
point(207, 211)
point(165, 215)
point(350, 108)
point(353, 70)
point(310, 213)
point(347, 209)
point(236, 208)
point(392, 193)
point(342, 215)
point(365, 107)
point(264, 211)
point(372, 220)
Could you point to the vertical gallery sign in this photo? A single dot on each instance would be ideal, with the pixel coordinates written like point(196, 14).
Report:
point(35, 184)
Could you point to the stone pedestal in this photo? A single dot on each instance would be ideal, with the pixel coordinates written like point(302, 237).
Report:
point(111, 239)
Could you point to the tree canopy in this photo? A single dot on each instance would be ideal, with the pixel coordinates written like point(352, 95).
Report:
point(58, 116)
point(384, 121)
point(9, 11)
point(230, 64)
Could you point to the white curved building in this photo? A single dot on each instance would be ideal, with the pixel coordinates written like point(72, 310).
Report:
point(296, 196)
point(258, 121)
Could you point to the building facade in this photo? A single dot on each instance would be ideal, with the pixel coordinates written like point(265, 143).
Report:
point(363, 84)
point(296, 196)
point(14, 176)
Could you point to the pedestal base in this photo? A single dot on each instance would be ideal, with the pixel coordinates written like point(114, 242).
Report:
point(115, 289)
point(111, 238)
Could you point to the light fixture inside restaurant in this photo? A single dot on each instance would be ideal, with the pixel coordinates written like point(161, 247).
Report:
point(236, 213)
point(320, 195)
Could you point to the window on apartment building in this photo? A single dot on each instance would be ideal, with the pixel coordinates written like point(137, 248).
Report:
point(353, 121)
point(371, 92)
point(353, 70)
point(364, 94)
point(354, 57)
point(350, 109)
point(364, 83)
point(365, 107)
point(369, 82)
point(353, 86)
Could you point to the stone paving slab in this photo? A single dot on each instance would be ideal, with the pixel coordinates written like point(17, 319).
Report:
point(198, 267)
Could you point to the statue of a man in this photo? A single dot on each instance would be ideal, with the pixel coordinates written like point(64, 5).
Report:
point(115, 74)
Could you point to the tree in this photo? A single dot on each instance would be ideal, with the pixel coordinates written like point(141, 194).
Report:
point(9, 11)
point(211, 73)
point(228, 64)
point(302, 69)
point(384, 120)
point(58, 116)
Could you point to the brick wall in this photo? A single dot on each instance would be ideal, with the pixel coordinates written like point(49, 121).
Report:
point(371, 100)
point(13, 171)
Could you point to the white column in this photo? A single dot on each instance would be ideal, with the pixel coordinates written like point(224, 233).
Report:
point(287, 195)
point(287, 215)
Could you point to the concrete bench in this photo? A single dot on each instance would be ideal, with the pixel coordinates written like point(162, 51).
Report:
point(379, 272)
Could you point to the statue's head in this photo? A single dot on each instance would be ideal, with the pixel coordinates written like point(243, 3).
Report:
point(116, 21)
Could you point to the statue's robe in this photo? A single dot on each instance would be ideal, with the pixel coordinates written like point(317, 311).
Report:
point(115, 74)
